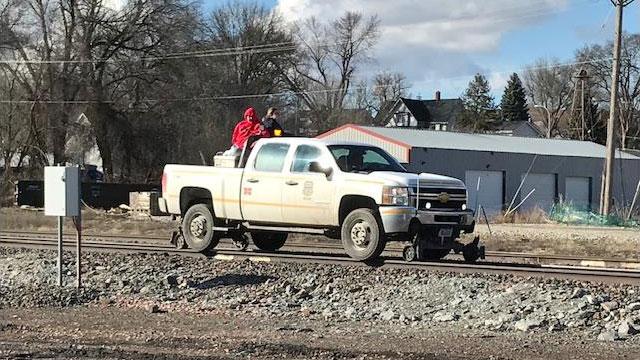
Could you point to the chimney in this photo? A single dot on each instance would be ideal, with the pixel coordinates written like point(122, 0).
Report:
point(437, 95)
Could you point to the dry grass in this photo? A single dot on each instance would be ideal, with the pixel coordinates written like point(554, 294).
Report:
point(533, 216)
point(92, 223)
point(607, 242)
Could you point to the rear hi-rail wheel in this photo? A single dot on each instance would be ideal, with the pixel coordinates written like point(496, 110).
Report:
point(241, 242)
point(268, 241)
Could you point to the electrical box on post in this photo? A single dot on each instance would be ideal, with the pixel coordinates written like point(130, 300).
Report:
point(62, 191)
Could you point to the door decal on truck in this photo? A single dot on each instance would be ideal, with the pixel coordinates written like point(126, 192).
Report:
point(307, 190)
point(246, 191)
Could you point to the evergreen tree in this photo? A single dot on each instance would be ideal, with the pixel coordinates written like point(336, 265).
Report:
point(479, 107)
point(514, 102)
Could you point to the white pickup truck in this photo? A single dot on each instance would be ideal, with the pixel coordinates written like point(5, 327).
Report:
point(354, 192)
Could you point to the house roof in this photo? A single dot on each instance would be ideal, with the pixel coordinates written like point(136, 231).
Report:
point(443, 110)
point(424, 111)
point(515, 125)
point(409, 137)
point(418, 109)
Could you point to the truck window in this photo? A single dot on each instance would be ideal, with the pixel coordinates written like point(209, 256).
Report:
point(271, 157)
point(365, 159)
point(304, 155)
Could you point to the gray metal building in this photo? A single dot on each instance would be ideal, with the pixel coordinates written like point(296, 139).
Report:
point(493, 166)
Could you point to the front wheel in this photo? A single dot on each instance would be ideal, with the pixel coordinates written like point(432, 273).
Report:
point(362, 235)
point(197, 228)
point(268, 241)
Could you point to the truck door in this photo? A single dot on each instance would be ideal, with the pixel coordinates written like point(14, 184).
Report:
point(261, 187)
point(307, 195)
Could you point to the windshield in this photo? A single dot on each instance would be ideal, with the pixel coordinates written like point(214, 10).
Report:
point(358, 158)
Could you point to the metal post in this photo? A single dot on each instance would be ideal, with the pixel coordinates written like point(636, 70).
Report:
point(59, 250)
point(613, 110)
point(78, 249)
point(79, 234)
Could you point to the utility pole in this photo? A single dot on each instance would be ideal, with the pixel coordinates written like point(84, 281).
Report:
point(613, 110)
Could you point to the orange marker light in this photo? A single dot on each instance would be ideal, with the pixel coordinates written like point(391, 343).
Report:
point(277, 132)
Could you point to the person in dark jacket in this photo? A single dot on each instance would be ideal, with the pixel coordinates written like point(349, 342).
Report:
point(271, 124)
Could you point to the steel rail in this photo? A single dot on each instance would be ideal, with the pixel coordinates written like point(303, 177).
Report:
point(624, 263)
point(545, 271)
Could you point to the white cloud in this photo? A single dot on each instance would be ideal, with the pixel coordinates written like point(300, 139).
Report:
point(433, 40)
point(114, 4)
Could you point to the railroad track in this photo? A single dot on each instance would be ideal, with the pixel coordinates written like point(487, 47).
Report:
point(393, 250)
point(111, 243)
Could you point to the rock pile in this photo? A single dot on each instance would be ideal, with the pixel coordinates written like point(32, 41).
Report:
point(337, 293)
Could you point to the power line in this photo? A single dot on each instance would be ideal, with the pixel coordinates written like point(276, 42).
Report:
point(207, 98)
point(174, 56)
point(283, 93)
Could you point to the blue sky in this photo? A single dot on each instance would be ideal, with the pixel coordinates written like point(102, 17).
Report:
point(440, 44)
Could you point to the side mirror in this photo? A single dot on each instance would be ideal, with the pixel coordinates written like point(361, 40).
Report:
point(315, 167)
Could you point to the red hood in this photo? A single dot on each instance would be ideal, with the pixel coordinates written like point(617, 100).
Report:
point(251, 115)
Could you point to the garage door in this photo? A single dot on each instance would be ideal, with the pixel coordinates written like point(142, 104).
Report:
point(577, 192)
point(490, 190)
point(544, 195)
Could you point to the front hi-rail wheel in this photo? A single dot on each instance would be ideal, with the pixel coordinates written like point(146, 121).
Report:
point(409, 253)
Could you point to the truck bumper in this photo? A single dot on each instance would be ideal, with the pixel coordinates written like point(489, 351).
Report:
point(396, 219)
point(162, 205)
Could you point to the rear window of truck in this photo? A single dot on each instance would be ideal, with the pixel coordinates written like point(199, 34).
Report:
point(271, 157)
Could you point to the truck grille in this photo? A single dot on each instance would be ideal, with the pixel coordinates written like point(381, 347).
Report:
point(440, 198)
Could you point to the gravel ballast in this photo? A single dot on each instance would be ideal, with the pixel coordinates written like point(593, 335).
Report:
point(406, 298)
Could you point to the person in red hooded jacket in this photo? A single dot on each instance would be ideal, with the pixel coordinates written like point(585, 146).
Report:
point(249, 126)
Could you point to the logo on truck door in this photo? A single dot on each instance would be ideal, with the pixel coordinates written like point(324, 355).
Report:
point(307, 190)
point(246, 191)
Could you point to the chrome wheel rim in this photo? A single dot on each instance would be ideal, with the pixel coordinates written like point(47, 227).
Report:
point(361, 234)
point(198, 226)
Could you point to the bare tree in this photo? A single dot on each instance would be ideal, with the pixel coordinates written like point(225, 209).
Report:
point(13, 131)
point(379, 96)
point(328, 58)
point(264, 47)
point(597, 59)
point(549, 84)
point(389, 87)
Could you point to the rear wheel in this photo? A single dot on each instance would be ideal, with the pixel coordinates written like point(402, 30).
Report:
point(434, 254)
point(362, 235)
point(268, 241)
point(197, 228)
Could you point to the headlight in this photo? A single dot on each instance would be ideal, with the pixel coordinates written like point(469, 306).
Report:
point(393, 195)
point(464, 207)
